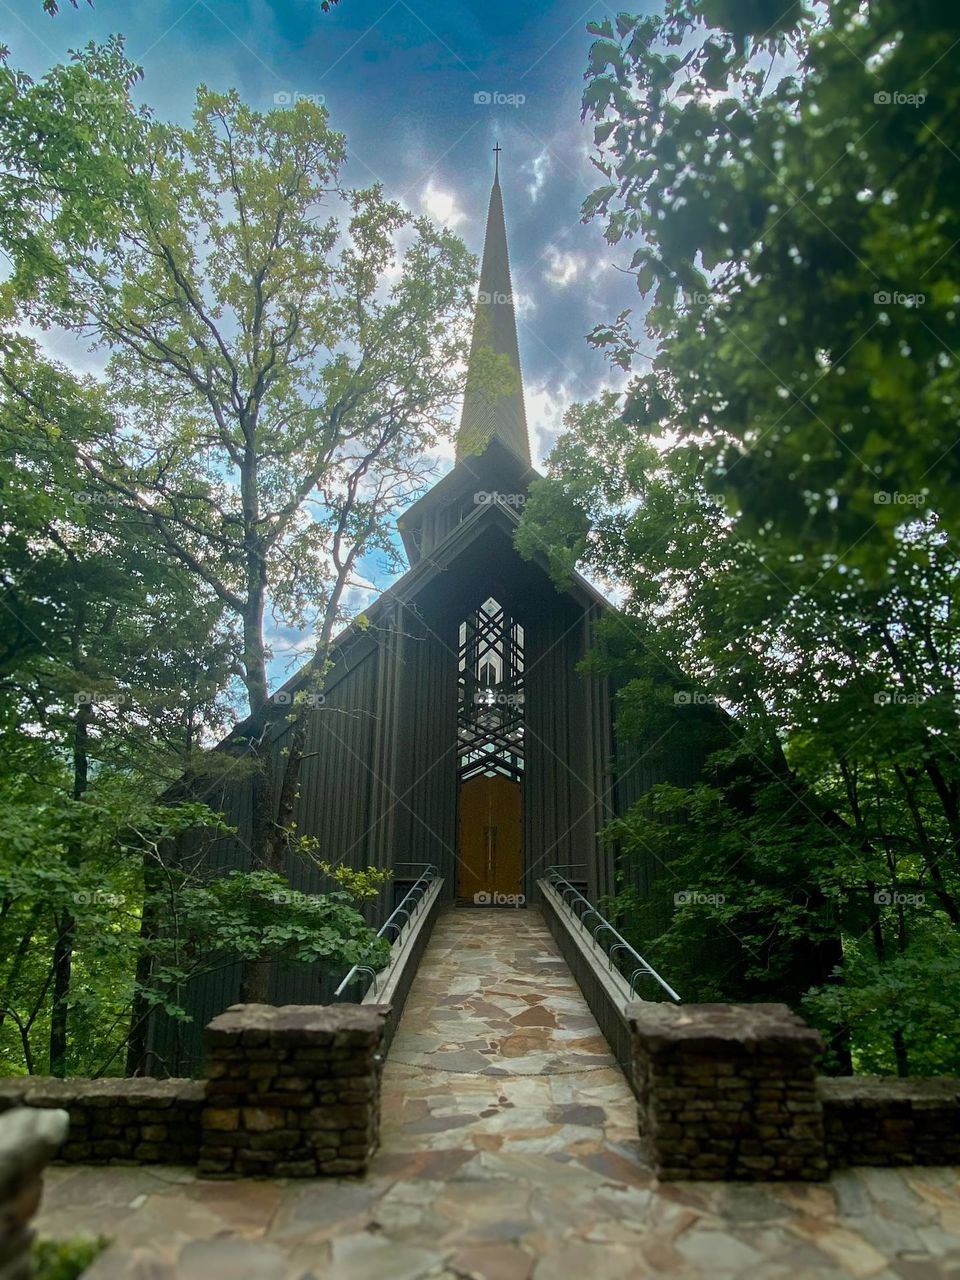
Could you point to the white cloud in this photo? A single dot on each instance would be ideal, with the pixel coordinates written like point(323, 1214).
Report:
point(563, 267)
point(441, 206)
point(524, 303)
point(538, 168)
point(545, 409)
point(442, 455)
point(65, 348)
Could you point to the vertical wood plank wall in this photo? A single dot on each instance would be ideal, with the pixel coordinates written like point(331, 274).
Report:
point(379, 781)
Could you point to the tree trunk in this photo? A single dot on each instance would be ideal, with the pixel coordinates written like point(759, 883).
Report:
point(19, 956)
point(137, 1064)
point(255, 978)
point(62, 972)
point(66, 923)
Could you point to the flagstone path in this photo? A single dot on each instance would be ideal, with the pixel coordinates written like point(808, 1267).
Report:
point(509, 1152)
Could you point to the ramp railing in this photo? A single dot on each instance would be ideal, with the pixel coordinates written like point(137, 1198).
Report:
point(623, 960)
point(401, 926)
point(595, 950)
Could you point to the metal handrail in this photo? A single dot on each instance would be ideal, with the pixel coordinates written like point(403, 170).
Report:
point(420, 887)
point(644, 967)
point(366, 968)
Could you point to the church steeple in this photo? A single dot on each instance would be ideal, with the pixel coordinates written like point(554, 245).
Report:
point(493, 400)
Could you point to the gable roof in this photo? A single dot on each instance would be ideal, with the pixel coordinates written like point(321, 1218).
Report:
point(359, 636)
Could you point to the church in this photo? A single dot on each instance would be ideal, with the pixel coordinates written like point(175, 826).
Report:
point(456, 730)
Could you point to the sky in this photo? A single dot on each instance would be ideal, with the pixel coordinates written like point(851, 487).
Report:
point(422, 91)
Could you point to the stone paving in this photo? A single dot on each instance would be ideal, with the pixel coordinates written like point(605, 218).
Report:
point(509, 1153)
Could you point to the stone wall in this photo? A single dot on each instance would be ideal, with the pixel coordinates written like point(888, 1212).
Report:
point(885, 1121)
point(728, 1091)
point(118, 1121)
point(292, 1091)
point(28, 1141)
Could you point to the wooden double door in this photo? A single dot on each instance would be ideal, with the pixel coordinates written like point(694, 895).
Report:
point(490, 841)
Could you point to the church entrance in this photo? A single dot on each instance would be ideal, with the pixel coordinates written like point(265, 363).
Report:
point(490, 759)
point(490, 852)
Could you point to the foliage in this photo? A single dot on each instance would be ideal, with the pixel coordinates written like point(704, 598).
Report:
point(792, 190)
point(275, 376)
point(359, 884)
point(112, 665)
point(776, 498)
point(817, 859)
point(67, 143)
point(255, 914)
point(913, 998)
point(65, 1259)
point(210, 922)
point(71, 866)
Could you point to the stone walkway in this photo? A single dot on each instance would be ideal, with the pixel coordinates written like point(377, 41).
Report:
point(509, 1152)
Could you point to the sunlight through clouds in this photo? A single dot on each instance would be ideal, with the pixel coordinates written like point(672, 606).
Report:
point(563, 268)
point(538, 168)
point(441, 206)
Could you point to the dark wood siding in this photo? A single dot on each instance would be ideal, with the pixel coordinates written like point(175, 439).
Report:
point(669, 757)
point(425, 803)
point(566, 789)
point(379, 781)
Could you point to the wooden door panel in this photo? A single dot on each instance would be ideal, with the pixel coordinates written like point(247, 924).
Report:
point(490, 839)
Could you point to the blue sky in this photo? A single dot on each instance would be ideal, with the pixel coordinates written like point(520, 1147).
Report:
point(402, 80)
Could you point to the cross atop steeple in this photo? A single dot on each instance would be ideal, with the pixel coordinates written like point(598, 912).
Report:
point(496, 151)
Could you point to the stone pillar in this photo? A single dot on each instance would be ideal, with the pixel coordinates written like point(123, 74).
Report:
point(292, 1091)
point(29, 1140)
point(728, 1091)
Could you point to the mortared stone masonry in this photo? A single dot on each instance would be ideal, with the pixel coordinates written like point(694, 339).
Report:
point(292, 1091)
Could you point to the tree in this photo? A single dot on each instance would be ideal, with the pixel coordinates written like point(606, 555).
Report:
point(68, 148)
point(777, 495)
point(109, 661)
point(817, 859)
point(277, 376)
point(791, 181)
